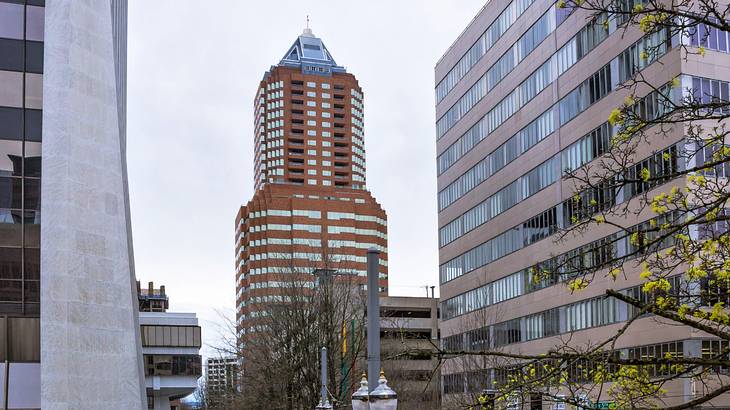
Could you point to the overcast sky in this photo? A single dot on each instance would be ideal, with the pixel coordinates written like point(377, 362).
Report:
point(194, 67)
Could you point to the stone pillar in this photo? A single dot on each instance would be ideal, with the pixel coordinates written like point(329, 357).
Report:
point(90, 344)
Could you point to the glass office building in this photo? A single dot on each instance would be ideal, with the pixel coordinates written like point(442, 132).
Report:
point(21, 105)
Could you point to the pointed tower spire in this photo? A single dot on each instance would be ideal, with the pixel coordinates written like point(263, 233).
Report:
point(310, 53)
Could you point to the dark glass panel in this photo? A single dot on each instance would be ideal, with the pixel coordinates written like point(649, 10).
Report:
point(11, 290)
point(10, 193)
point(32, 159)
point(162, 365)
point(32, 194)
point(10, 263)
point(11, 55)
point(31, 308)
point(32, 226)
point(10, 154)
point(32, 291)
point(11, 121)
point(33, 57)
point(33, 125)
point(32, 264)
point(10, 228)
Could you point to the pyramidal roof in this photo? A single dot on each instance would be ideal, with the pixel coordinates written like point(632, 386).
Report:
point(310, 53)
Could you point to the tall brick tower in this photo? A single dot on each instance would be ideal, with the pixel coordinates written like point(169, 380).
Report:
point(311, 209)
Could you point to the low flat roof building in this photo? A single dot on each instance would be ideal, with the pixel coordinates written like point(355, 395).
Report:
point(171, 350)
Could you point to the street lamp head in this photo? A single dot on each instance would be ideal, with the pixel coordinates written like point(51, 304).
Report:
point(360, 397)
point(383, 397)
point(323, 406)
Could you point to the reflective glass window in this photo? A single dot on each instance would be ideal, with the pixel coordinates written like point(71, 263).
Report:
point(11, 291)
point(11, 20)
point(32, 258)
point(11, 121)
point(32, 291)
point(11, 55)
point(11, 89)
point(32, 194)
point(33, 124)
point(10, 263)
point(34, 17)
point(33, 91)
point(33, 57)
point(10, 153)
point(32, 159)
point(10, 192)
point(32, 227)
point(10, 227)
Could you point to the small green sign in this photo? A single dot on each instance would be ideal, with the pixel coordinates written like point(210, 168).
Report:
point(605, 405)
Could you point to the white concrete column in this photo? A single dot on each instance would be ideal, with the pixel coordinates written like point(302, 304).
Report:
point(90, 346)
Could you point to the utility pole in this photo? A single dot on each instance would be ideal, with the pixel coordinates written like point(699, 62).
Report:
point(373, 317)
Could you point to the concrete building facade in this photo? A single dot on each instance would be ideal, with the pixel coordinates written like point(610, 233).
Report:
point(408, 338)
point(311, 209)
point(67, 297)
point(523, 94)
point(221, 375)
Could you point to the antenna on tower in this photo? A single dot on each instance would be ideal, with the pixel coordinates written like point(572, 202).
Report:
point(307, 30)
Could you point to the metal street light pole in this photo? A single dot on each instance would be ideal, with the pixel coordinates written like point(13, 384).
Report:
point(373, 317)
point(324, 402)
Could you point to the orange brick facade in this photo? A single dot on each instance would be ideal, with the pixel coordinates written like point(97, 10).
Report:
point(310, 209)
point(309, 130)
